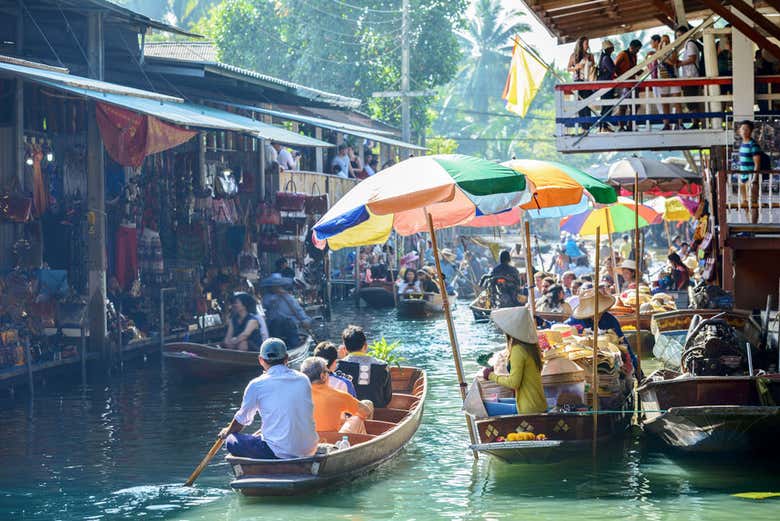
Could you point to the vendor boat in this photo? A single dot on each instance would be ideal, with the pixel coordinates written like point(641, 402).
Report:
point(390, 431)
point(715, 402)
point(377, 294)
point(422, 305)
point(207, 363)
point(481, 314)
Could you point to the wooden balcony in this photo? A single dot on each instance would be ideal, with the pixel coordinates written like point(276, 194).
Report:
point(316, 183)
point(645, 115)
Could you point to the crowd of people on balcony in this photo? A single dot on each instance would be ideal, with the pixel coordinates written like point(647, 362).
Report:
point(687, 61)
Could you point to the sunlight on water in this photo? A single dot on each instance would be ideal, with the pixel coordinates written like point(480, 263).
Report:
point(122, 448)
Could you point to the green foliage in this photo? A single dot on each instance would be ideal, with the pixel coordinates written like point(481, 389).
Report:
point(382, 350)
point(441, 145)
point(342, 47)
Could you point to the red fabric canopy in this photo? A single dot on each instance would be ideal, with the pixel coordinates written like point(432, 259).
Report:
point(129, 136)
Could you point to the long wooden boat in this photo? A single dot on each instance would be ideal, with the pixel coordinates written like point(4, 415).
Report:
point(205, 362)
point(389, 432)
point(480, 314)
point(712, 413)
point(567, 434)
point(423, 305)
point(378, 294)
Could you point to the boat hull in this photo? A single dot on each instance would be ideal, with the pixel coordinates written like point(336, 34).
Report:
point(377, 296)
point(392, 428)
point(207, 363)
point(715, 414)
point(480, 314)
point(429, 306)
point(568, 435)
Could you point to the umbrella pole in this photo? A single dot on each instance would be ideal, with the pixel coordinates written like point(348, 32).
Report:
point(638, 276)
point(612, 254)
point(529, 276)
point(451, 330)
point(594, 388)
point(668, 236)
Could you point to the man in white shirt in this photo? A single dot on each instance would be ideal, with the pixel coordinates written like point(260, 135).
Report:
point(284, 157)
point(283, 399)
point(689, 68)
point(340, 166)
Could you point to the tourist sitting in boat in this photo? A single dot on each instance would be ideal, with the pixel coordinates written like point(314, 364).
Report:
point(448, 268)
point(284, 315)
point(525, 359)
point(331, 406)
point(504, 269)
point(370, 376)
point(427, 284)
point(330, 353)
point(282, 397)
point(246, 328)
point(582, 317)
point(409, 284)
point(553, 301)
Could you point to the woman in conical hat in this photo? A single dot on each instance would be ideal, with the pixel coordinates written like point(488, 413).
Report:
point(525, 359)
point(582, 317)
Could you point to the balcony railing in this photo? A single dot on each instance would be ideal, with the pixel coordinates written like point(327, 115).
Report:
point(316, 183)
point(646, 113)
point(755, 201)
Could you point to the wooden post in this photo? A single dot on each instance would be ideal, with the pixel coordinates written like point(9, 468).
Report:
point(529, 269)
point(612, 253)
point(668, 236)
point(319, 153)
point(357, 275)
point(594, 387)
point(451, 328)
point(638, 275)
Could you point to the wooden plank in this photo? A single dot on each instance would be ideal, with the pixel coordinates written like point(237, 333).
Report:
point(737, 21)
point(764, 22)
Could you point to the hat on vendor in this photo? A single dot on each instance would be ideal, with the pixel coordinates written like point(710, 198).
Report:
point(448, 255)
point(412, 256)
point(516, 322)
point(628, 264)
point(587, 304)
point(275, 280)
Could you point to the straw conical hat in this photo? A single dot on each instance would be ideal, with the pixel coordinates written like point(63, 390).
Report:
point(587, 304)
point(517, 323)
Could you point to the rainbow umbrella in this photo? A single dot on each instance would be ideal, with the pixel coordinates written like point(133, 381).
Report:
point(558, 190)
point(616, 218)
point(454, 189)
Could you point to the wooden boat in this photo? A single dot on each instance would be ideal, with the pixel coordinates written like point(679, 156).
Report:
point(389, 432)
point(480, 314)
point(378, 294)
point(712, 413)
point(205, 362)
point(423, 305)
point(568, 434)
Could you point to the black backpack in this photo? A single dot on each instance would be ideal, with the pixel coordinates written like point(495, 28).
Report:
point(700, 61)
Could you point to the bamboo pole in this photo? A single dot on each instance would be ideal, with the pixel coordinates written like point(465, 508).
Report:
point(451, 330)
point(612, 253)
point(638, 275)
point(668, 237)
point(529, 269)
point(594, 388)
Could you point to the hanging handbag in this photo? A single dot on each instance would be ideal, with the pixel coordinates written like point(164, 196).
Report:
point(16, 208)
point(225, 185)
point(267, 242)
point(289, 200)
point(267, 214)
point(316, 204)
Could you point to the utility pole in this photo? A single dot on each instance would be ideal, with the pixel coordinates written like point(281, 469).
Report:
point(406, 132)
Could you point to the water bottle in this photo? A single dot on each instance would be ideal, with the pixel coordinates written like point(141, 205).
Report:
point(343, 443)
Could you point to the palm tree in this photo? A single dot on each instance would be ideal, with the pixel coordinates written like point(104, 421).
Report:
point(487, 43)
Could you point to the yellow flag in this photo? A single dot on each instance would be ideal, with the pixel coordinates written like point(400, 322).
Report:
point(526, 75)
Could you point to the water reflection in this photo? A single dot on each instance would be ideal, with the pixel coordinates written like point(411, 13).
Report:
point(121, 447)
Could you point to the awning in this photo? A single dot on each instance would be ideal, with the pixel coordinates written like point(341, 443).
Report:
point(353, 130)
point(167, 108)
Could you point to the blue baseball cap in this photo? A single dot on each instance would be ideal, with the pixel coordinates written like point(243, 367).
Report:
point(273, 350)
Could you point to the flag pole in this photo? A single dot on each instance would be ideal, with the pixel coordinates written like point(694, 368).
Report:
point(519, 41)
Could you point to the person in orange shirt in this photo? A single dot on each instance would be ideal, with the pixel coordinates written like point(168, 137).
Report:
point(331, 405)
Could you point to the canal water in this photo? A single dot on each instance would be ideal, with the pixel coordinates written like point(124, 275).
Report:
point(122, 447)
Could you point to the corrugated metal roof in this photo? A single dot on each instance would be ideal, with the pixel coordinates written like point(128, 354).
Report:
point(200, 54)
point(352, 130)
point(167, 108)
point(122, 12)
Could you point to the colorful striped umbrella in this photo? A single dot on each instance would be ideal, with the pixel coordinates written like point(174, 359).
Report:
point(611, 219)
point(454, 189)
point(559, 190)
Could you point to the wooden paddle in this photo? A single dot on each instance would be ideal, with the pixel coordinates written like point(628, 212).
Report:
point(214, 448)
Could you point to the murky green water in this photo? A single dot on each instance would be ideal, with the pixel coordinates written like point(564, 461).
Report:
point(121, 449)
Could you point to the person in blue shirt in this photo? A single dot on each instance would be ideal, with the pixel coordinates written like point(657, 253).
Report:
point(336, 379)
point(582, 318)
point(749, 164)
